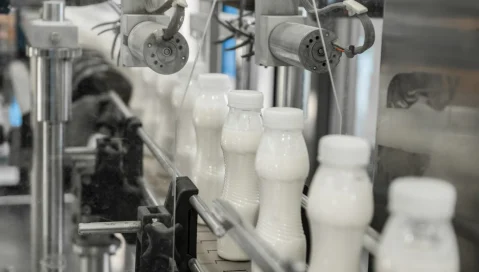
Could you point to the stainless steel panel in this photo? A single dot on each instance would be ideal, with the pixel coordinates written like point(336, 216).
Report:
point(428, 120)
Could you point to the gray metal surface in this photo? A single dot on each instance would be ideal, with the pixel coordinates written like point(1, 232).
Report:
point(146, 44)
point(300, 45)
point(289, 87)
point(429, 106)
point(52, 188)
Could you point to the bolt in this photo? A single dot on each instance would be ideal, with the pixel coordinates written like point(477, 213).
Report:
point(314, 68)
point(321, 51)
point(149, 45)
point(183, 58)
point(167, 52)
point(55, 37)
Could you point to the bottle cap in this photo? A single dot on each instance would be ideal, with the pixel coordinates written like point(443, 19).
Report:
point(283, 118)
point(215, 82)
point(344, 150)
point(245, 99)
point(422, 197)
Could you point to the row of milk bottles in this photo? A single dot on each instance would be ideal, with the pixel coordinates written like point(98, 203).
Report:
point(257, 161)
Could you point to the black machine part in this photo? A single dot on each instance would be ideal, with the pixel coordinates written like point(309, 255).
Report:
point(154, 250)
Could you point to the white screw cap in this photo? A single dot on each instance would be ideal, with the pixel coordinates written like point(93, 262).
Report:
point(344, 150)
point(215, 82)
point(422, 197)
point(283, 118)
point(248, 100)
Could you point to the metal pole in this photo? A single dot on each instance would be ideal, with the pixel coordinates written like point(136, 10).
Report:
point(52, 183)
point(195, 266)
point(51, 69)
point(109, 227)
point(147, 140)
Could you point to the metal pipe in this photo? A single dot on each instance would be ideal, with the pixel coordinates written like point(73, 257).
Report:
point(109, 227)
point(80, 151)
point(289, 90)
point(147, 140)
point(199, 205)
point(53, 11)
point(52, 183)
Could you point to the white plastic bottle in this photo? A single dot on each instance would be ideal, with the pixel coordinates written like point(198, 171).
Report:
point(240, 139)
point(185, 131)
point(282, 165)
point(209, 115)
point(340, 205)
point(166, 123)
point(418, 236)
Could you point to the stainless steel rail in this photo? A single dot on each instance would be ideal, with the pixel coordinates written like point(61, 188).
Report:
point(109, 227)
point(155, 150)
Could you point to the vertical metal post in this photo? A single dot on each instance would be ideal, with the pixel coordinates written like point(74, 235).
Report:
point(289, 87)
point(51, 70)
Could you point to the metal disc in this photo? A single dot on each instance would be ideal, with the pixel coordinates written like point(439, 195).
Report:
point(166, 57)
point(313, 55)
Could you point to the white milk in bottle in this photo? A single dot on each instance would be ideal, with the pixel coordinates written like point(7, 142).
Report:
point(418, 236)
point(282, 165)
point(166, 119)
point(240, 139)
point(185, 131)
point(340, 205)
point(209, 115)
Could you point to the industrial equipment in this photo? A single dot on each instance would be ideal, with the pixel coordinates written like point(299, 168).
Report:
point(83, 157)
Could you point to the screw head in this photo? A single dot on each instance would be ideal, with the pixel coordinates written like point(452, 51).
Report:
point(167, 51)
point(149, 45)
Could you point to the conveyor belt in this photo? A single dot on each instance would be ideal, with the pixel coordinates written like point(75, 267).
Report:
point(208, 257)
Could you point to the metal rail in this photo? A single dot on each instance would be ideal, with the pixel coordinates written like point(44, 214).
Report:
point(109, 227)
point(159, 155)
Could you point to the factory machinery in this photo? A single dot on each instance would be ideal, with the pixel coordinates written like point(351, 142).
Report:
point(111, 194)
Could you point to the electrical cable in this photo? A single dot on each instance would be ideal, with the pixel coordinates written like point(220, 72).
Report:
point(335, 94)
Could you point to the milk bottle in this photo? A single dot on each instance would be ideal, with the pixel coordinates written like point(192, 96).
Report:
point(419, 237)
point(282, 165)
point(209, 115)
point(340, 205)
point(240, 139)
point(185, 131)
